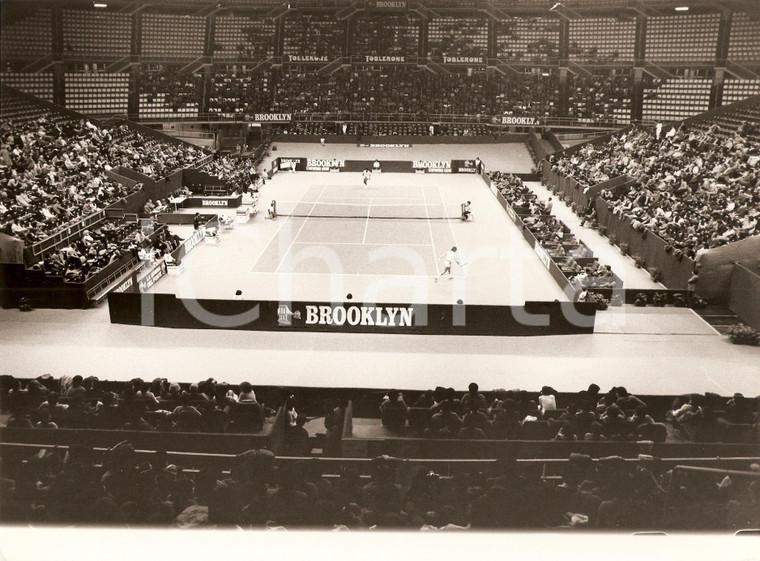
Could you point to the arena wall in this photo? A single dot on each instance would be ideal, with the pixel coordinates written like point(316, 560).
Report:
point(716, 267)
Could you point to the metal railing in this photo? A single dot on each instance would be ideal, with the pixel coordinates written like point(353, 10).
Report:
point(354, 117)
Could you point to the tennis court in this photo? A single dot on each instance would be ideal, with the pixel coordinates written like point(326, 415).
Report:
point(391, 230)
point(382, 243)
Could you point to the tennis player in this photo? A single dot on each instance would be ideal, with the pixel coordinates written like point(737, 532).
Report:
point(448, 258)
point(466, 212)
point(366, 174)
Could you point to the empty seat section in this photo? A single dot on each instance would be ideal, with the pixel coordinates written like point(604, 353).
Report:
point(688, 39)
point(97, 94)
point(239, 36)
point(394, 35)
point(457, 37)
point(315, 35)
point(28, 33)
point(744, 42)
point(602, 40)
point(527, 40)
point(39, 84)
point(96, 34)
point(676, 99)
point(171, 37)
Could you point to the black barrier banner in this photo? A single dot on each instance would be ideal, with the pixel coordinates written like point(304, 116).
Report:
point(465, 166)
point(532, 318)
point(384, 145)
point(543, 255)
point(432, 166)
point(211, 202)
point(127, 285)
point(188, 245)
point(521, 121)
point(286, 164)
point(324, 164)
point(396, 166)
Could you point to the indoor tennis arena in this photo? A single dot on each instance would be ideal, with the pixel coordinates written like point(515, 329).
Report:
point(471, 267)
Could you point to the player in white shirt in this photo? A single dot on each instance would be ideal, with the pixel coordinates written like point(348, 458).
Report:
point(366, 175)
point(448, 258)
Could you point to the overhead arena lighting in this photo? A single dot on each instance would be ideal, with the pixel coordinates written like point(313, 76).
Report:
point(682, 8)
point(99, 5)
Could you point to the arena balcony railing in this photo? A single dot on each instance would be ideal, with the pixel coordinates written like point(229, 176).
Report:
point(407, 118)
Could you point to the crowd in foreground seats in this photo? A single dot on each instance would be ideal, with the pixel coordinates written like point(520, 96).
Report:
point(520, 415)
point(440, 413)
point(124, 487)
point(694, 188)
point(79, 485)
point(159, 405)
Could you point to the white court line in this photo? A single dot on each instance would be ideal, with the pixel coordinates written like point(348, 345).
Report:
point(368, 244)
point(365, 198)
point(719, 386)
point(362, 203)
point(277, 270)
point(352, 275)
point(276, 235)
point(705, 321)
point(430, 229)
point(448, 220)
point(366, 225)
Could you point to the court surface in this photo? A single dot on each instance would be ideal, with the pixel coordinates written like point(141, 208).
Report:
point(381, 243)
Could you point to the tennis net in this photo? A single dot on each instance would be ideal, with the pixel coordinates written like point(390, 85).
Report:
point(407, 211)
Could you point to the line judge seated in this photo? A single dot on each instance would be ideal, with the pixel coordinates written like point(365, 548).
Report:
point(376, 166)
point(272, 210)
point(466, 212)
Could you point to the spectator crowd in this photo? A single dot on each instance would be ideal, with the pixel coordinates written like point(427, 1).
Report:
point(53, 168)
point(122, 486)
point(402, 90)
point(696, 187)
point(552, 234)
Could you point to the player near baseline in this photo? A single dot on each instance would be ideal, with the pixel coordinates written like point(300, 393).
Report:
point(448, 258)
point(366, 175)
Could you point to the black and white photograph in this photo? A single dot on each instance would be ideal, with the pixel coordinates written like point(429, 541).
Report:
point(332, 279)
